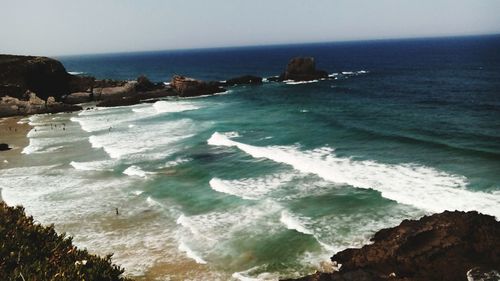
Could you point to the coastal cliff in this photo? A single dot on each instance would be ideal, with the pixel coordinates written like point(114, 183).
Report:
point(450, 246)
point(41, 75)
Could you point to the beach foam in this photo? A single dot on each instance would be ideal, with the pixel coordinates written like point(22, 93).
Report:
point(136, 171)
point(419, 186)
point(137, 244)
point(170, 107)
point(93, 165)
point(148, 142)
point(190, 253)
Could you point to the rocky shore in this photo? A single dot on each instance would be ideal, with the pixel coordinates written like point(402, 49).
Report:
point(450, 246)
point(34, 85)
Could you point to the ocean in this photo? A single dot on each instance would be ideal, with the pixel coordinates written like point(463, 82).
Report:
point(267, 182)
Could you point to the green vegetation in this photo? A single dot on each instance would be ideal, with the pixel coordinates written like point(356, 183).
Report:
point(29, 251)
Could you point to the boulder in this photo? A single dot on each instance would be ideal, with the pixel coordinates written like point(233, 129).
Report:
point(448, 246)
point(33, 99)
point(10, 106)
point(128, 89)
point(246, 79)
point(302, 69)
point(51, 100)
point(4, 147)
point(189, 87)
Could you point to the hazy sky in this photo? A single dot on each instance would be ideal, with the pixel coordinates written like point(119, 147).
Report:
point(57, 27)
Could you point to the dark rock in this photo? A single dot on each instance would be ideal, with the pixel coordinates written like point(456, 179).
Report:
point(108, 83)
point(120, 101)
point(302, 69)
point(189, 87)
point(61, 107)
point(447, 247)
point(155, 94)
point(79, 83)
point(4, 146)
point(246, 79)
point(79, 97)
point(41, 75)
point(275, 79)
point(144, 85)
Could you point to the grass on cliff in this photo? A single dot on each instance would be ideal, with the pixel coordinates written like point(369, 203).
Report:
point(29, 251)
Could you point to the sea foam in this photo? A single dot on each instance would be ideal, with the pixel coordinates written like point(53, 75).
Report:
point(251, 188)
point(93, 165)
point(419, 186)
point(136, 171)
point(190, 253)
point(293, 223)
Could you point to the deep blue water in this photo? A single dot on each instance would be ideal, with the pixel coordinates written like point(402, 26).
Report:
point(277, 177)
point(439, 96)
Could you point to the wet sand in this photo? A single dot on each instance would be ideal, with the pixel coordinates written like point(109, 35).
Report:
point(13, 132)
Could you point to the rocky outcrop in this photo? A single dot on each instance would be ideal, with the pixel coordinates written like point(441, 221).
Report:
point(126, 90)
point(450, 246)
point(145, 85)
point(243, 80)
point(42, 75)
point(32, 104)
point(189, 87)
point(4, 147)
point(302, 69)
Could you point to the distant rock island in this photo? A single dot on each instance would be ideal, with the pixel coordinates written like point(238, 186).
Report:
point(33, 85)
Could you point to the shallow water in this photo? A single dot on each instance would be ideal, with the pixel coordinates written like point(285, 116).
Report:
point(268, 181)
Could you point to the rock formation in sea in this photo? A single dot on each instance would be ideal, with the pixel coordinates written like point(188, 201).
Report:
point(189, 87)
point(302, 69)
point(450, 246)
point(33, 85)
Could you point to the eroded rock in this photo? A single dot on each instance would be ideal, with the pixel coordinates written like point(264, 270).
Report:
point(442, 247)
point(302, 69)
point(189, 87)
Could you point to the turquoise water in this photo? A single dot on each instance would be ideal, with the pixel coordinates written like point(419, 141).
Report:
point(269, 181)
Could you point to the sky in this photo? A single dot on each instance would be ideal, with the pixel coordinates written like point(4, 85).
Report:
point(61, 27)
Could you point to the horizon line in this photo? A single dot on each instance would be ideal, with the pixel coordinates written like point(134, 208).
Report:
point(268, 45)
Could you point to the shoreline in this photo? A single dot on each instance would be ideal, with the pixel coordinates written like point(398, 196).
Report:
point(13, 132)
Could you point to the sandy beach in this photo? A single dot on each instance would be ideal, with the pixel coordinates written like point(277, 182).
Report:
point(13, 132)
